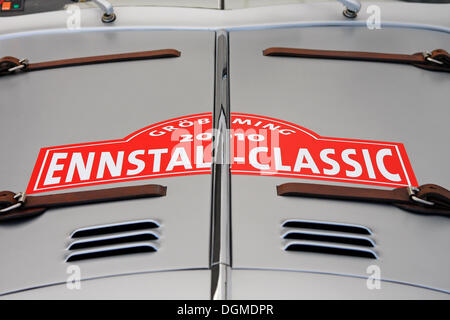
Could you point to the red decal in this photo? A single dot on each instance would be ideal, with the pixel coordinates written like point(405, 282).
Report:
point(267, 146)
point(259, 146)
point(175, 147)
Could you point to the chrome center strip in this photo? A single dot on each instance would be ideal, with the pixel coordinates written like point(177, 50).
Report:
point(221, 175)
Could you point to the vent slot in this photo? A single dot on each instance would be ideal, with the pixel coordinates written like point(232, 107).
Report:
point(336, 250)
point(115, 228)
point(329, 226)
point(330, 238)
point(119, 239)
point(324, 237)
point(116, 239)
point(112, 252)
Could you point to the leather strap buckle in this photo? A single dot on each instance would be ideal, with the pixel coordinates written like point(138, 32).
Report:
point(9, 65)
point(19, 199)
point(22, 65)
point(438, 57)
point(412, 191)
point(428, 56)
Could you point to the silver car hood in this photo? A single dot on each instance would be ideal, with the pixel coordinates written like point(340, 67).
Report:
point(354, 100)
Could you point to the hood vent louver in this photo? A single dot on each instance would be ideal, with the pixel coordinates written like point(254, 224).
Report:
point(113, 228)
point(113, 240)
point(328, 226)
point(328, 237)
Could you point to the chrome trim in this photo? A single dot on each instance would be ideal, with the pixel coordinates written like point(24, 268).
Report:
point(106, 7)
point(222, 272)
point(221, 175)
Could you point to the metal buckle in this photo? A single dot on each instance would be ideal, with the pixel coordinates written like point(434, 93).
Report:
point(20, 197)
point(22, 64)
point(412, 194)
point(427, 56)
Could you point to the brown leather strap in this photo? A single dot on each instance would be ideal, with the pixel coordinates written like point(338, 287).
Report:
point(33, 205)
point(10, 65)
point(437, 60)
point(344, 193)
point(428, 199)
